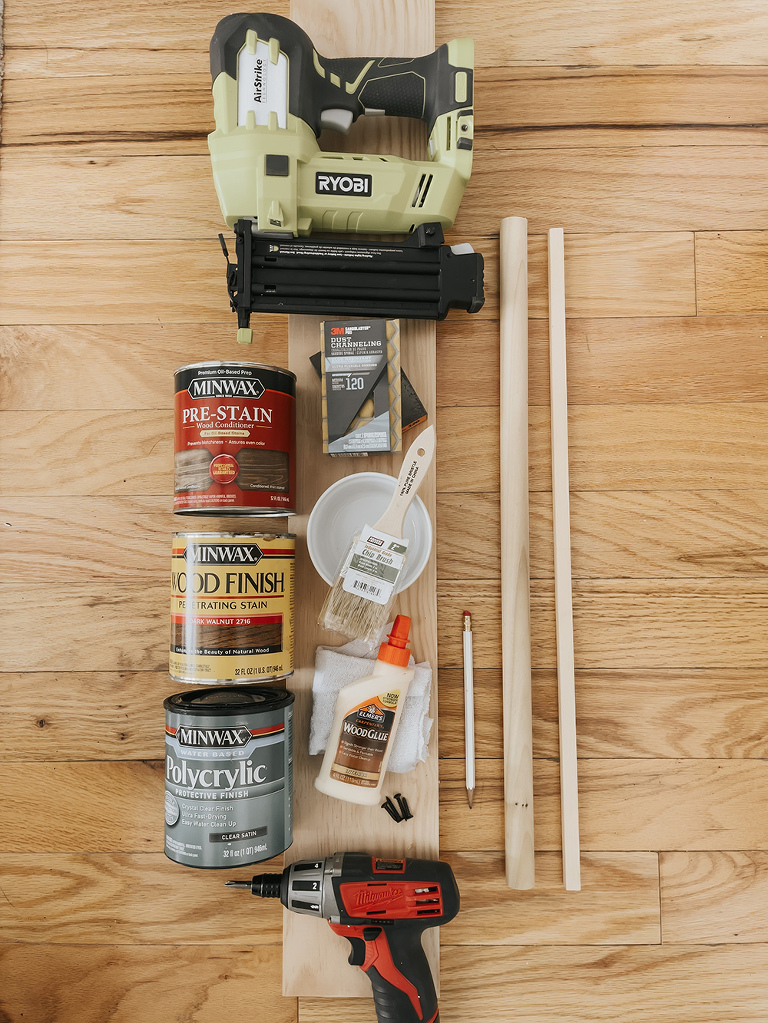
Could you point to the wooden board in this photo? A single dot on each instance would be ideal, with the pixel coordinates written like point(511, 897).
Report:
point(315, 959)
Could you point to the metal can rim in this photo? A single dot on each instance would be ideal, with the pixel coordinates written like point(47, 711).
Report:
point(276, 699)
point(230, 362)
point(239, 536)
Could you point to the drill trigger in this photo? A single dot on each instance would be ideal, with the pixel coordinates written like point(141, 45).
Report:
point(354, 936)
point(357, 955)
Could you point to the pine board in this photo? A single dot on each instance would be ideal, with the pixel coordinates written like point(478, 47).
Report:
point(315, 961)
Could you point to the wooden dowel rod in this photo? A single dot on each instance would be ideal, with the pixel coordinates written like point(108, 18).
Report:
point(515, 575)
point(566, 679)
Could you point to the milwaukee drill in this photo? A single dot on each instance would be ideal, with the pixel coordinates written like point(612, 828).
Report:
point(382, 906)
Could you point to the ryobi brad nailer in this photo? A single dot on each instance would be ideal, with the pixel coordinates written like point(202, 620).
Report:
point(273, 93)
point(382, 906)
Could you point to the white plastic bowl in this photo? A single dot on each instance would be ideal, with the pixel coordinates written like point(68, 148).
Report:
point(344, 509)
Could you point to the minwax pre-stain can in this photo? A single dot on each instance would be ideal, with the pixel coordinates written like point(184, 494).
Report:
point(235, 439)
point(228, 775)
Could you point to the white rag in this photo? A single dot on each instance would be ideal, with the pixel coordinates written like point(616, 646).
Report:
point(336, 667)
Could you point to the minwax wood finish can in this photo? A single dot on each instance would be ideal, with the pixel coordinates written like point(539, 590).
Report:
point(232, 607)
point(235, 429)
point(228, 775)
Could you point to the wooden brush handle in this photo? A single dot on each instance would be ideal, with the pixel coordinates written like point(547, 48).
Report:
point(515, 573)
point(417, 460)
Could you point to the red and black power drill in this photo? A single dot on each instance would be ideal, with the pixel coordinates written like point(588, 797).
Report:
point(382, 906)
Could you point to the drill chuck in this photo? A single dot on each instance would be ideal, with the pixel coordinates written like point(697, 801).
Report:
point(265, 885)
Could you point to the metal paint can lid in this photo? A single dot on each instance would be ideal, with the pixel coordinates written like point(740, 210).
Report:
point(226, 700)
point(229, 364)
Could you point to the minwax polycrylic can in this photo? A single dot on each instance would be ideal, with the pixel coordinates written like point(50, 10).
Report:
point(228, 775)
point(231, 607)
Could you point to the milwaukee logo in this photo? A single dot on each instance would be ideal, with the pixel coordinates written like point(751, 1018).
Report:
point(227, 388)
point(378, 896)
point(227, 554)
point(343, 184)
point(217, 738)
point(259, 82)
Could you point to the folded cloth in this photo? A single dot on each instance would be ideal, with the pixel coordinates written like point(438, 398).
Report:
point(336, 667)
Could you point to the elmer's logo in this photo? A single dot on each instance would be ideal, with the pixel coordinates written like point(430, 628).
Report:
point(343, 184)
point(372, 714)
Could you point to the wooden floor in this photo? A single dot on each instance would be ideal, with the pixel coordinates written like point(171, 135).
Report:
point(641, 129)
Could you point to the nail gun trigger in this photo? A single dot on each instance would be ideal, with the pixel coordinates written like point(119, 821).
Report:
point(337, 119)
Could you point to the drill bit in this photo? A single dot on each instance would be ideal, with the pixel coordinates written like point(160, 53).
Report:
point(238, 884)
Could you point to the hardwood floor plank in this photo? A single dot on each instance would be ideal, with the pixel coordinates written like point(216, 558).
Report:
point(693, 359)
point(120, 96)
point(157, 196)
point(615, 534)
point(619, 897)
point(135, 114)
point(113, 282)
point(624, 805)
point(653, 714)
point(85, 808)
point(537, 33)
point(641, 274)
point(629, 101)
point(687, 359)
point(95, 715)
point(534, 34)
point(58, 983)
point(731, 270)
point(620, 624)
point(651, 984)
point(624, 624)
point(627, 534)
point(102, 538)
point(127, 367)
point(652, 187)
point(714, 897)
point(129, 899)
point(659, 714)
point(143, 25)
point(612, 447)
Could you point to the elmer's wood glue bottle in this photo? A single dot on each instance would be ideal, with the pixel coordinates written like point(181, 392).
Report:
point(365, 720)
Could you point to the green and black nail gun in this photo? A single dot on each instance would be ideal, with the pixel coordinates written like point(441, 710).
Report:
point(273, 94)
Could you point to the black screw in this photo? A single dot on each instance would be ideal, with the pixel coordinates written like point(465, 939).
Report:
point(389, 806)
point(405, 810)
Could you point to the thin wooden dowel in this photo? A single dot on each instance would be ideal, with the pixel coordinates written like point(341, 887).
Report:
point(515, 574)
point(566, 679)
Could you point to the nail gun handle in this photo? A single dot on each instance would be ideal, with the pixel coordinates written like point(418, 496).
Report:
point(275, 63)
point(418, 87)
point(397, 967)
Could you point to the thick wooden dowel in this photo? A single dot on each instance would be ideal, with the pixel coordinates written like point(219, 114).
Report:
point(566, 680)
point(515, 576)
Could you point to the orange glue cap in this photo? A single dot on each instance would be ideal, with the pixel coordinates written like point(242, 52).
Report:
point(396, 651)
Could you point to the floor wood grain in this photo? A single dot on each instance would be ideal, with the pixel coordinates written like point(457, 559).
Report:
point(641, 130)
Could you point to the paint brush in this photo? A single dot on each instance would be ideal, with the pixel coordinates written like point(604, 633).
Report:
point(365, 586)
